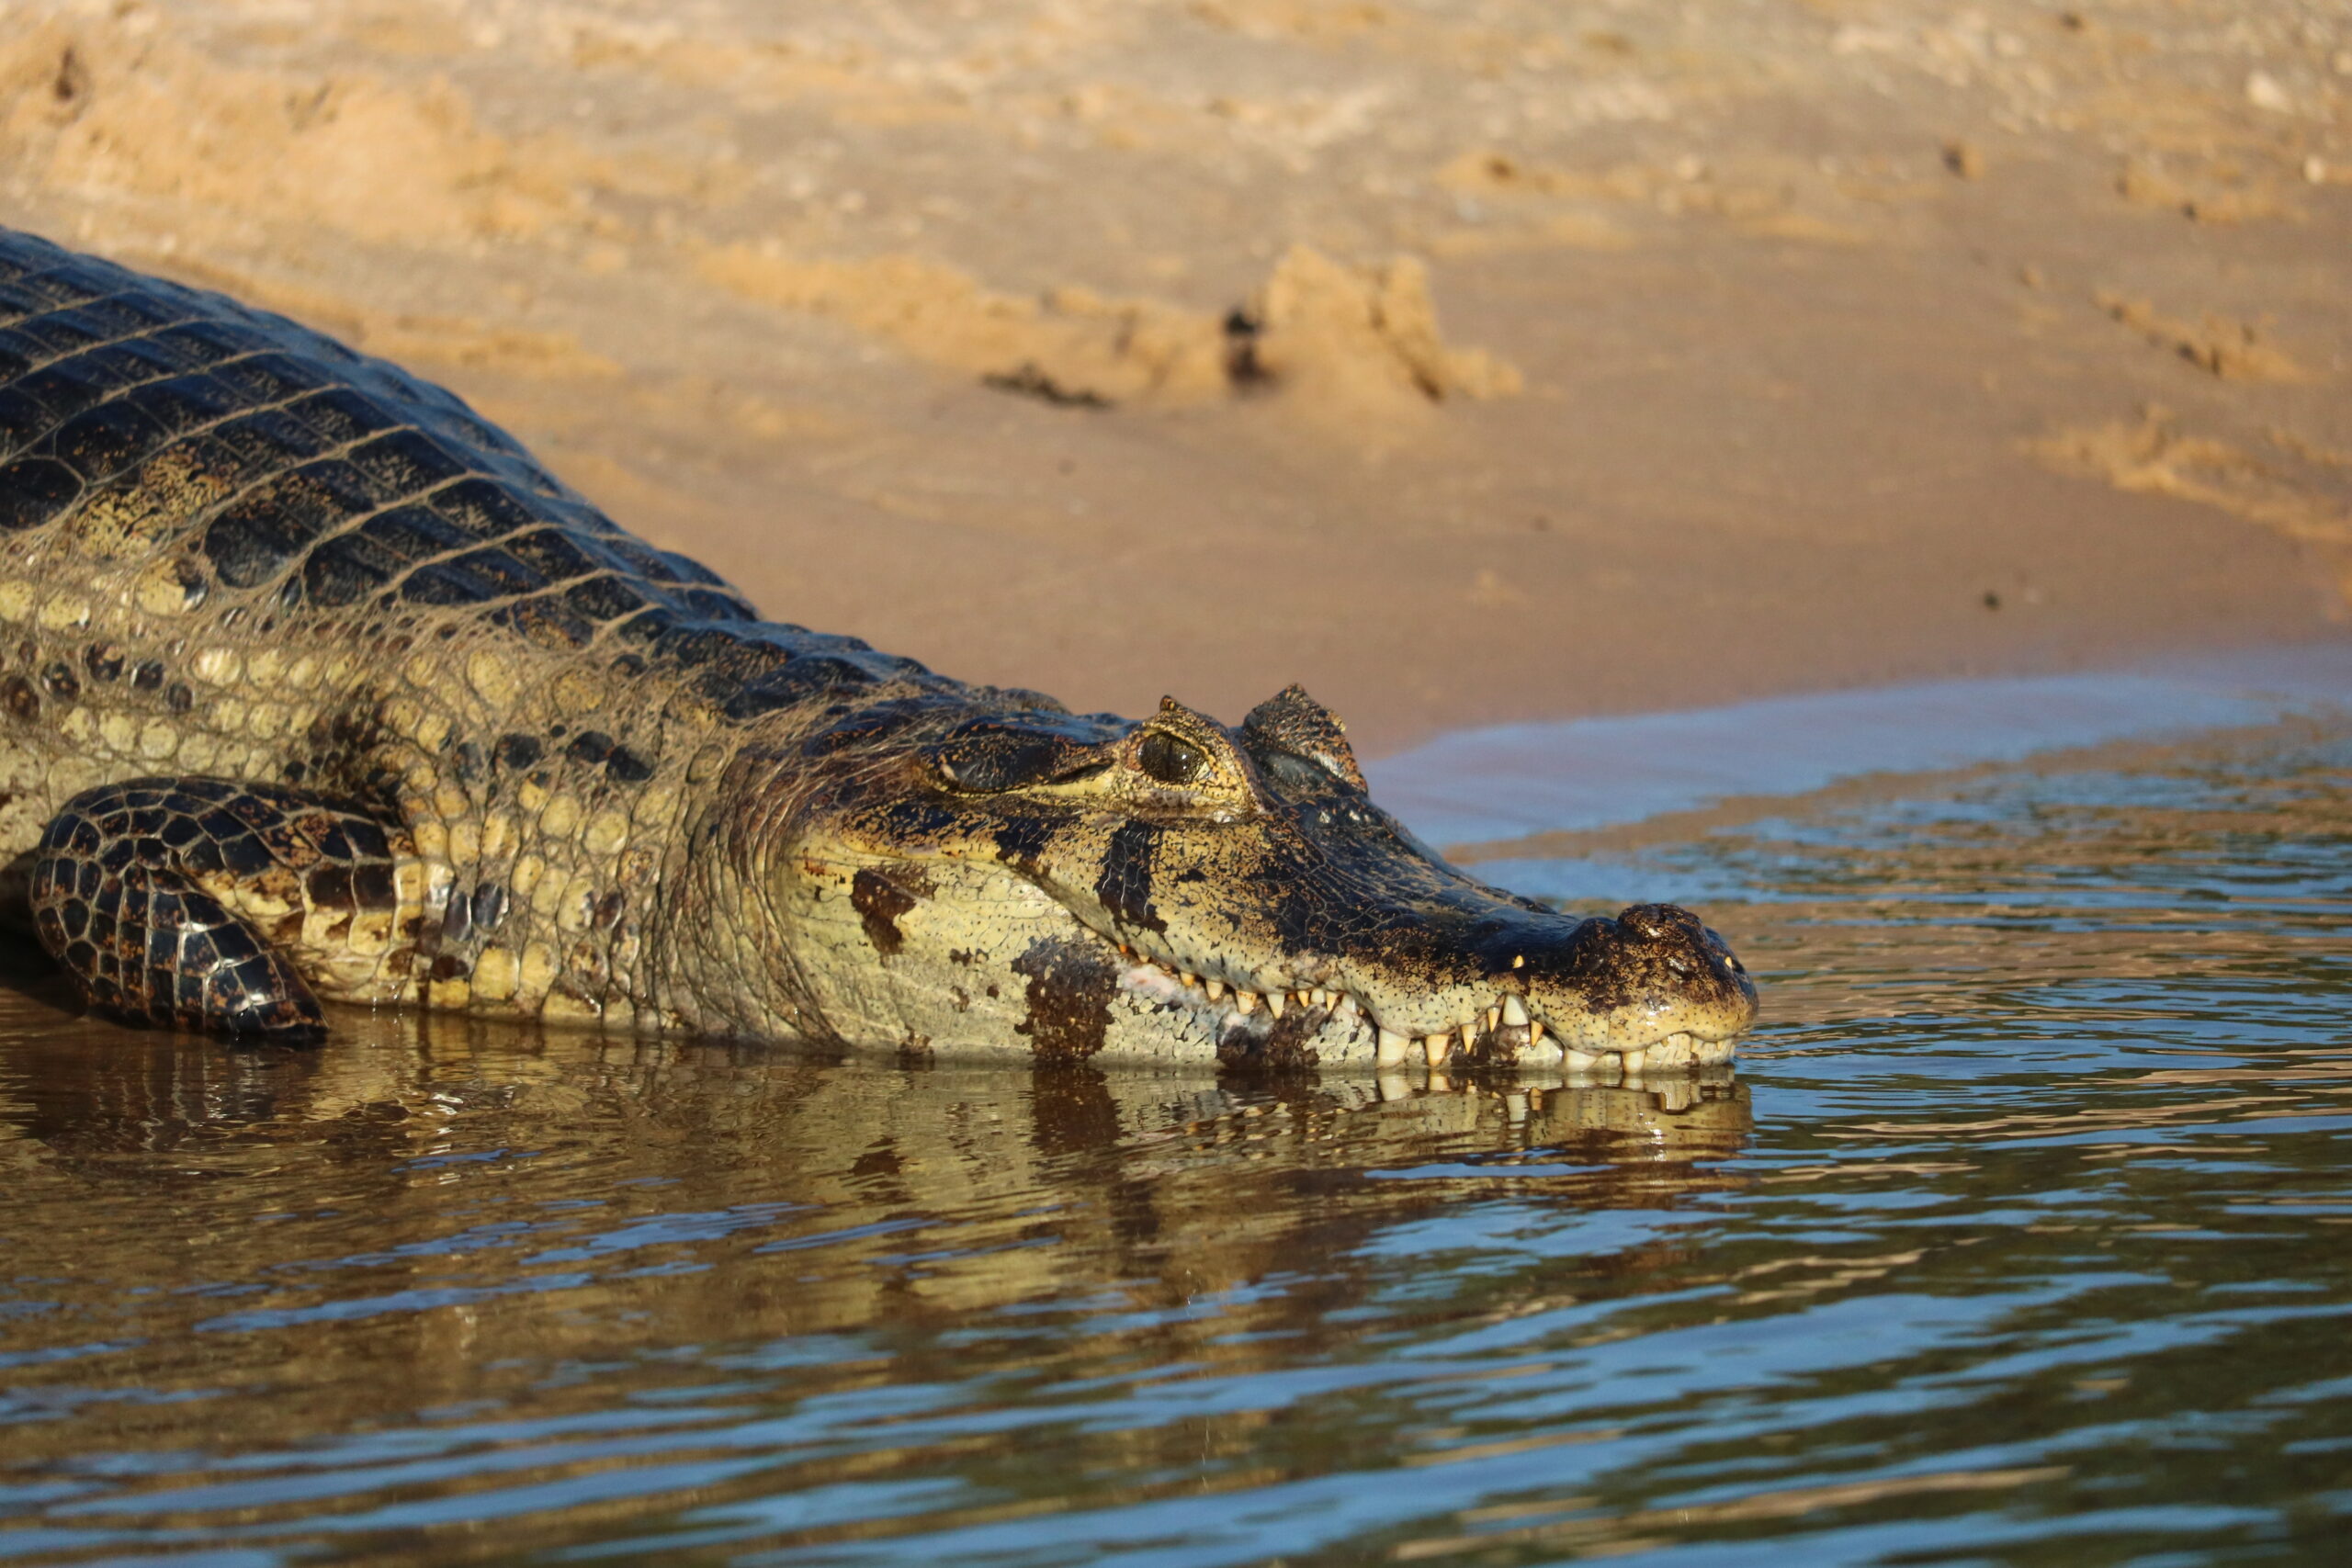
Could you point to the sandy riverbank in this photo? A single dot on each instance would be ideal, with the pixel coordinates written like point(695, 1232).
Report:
point(1470, 363)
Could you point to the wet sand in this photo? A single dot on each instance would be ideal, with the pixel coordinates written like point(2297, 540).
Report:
point(1470, 364)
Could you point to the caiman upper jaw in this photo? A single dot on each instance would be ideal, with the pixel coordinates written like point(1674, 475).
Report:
point(1652, 985)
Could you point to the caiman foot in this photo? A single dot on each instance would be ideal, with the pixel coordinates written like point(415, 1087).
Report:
point(182, 902)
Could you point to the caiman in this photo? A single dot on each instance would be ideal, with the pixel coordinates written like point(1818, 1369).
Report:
point(315, 687)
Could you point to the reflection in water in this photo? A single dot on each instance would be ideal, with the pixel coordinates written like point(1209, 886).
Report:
point(2020, 1238)
point(440, 1212)
point(420, 1123)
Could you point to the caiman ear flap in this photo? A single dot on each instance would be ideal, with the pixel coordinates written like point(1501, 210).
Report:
point(987, 756)
point(1291, 721)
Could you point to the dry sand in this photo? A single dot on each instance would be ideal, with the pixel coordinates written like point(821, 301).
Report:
point(1468, 361)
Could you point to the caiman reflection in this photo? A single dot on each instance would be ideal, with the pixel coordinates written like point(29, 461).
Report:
point(394, 1165)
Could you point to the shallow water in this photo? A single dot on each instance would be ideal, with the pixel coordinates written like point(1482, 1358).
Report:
point(1515, 780)
point(2020, 1236)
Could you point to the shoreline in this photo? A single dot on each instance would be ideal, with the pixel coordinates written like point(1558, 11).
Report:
point(1567, 787)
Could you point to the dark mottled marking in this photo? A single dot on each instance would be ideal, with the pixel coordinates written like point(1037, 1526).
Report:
point(194, 588)
point(1022, 842)
point(177, 697)
point(867, 727)
point(17, 696)
point(148, 675)
point(1071, 984)
point(987, 756)
point(61, 681)
point(604, 598)
point(35, 490)
point(807, 676)
point(372, 886)
point(1124, 885)
point(517, 752)
point(913, 822)
point(879, 900)
point(346, 570)
point(329, 887)
point(103, 660)
point(467, 762)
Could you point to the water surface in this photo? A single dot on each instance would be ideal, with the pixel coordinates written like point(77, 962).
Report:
point(2020, 1236)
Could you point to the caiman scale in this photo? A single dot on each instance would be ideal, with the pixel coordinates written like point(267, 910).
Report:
point(315, 687)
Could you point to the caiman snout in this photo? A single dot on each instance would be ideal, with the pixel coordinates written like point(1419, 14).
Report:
point(1655, 974)
point(1653, 986)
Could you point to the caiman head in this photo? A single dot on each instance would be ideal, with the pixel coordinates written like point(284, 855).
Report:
point(1015, 877)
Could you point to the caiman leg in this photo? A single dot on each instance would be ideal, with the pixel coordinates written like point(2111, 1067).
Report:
point(204, 903)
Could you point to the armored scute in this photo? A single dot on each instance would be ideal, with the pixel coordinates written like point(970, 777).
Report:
point(315, 687)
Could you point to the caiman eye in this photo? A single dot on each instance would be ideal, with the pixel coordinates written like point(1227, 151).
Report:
point(1170, 760)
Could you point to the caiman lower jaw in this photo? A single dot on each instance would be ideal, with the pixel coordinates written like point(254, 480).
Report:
point(1505, 1032)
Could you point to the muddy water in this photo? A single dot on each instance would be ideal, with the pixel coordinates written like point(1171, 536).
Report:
point(2023, 1235)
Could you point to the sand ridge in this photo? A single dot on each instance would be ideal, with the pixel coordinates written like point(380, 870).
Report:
point(1356, 340)
point(119, 106)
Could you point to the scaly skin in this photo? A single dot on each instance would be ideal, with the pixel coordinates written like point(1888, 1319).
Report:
point(258, 593)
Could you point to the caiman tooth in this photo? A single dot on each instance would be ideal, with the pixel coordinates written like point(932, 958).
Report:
point(1631, 1061)
point(1317, 997)
point(1514, 1012)
point(1393, 1048)
point(1534, 1034)
point(1437, 1047)
point(1275, 1002)
point(1345, 1005)
point(1469, 1037)
point(1216, 989)
point(1186, 976)
point(1494, 1018)
point(1244, 1002)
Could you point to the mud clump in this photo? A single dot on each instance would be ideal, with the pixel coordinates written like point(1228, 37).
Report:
point(1356, 336)
point(2233, 350)
point(2223, 197)
point(1081, 344)
point(1317, 332)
